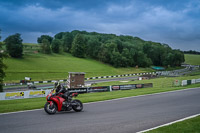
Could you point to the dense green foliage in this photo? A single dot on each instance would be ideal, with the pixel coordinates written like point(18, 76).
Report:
point(56, 44)
point(78, 46)
point(14, 45)
point(2, 66)
point(191, 52)
point(42, 37)
point(46, 46)
point(67, 40)
point(119, 51)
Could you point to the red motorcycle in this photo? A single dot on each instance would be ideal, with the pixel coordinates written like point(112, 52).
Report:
point(57, 103)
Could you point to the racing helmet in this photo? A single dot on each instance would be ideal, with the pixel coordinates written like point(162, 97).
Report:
point(57, 86)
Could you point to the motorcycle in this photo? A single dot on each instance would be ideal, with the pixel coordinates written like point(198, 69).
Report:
point(57, 103)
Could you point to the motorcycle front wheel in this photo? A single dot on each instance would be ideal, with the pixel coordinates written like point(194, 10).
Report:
point(50, 109)
point(78, 106)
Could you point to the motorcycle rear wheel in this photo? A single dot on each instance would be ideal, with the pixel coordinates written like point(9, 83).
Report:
point(78, 107)
point(50, 110)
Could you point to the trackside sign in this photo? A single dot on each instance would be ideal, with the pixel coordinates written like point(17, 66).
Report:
point(43, 93)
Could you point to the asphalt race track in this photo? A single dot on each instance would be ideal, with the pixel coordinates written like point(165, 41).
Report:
point(117, 116)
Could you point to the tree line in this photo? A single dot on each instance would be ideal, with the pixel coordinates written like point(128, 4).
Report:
point(118, 51)
point(2, 65)
point(191, 52)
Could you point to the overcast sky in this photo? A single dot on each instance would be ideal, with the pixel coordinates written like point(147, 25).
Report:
point(175, 22)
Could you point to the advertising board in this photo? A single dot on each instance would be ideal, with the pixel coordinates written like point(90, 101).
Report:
point(14, 95)
point(115, 87)
point(139, 86)
point(33, 94)
point(127, 87)
point(98, 89)
point(78, 90)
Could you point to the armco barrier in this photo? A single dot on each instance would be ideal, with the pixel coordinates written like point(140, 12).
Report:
point(197, 80)
point(147, 85)
point(193, 81)
point(189, 82)
point(127, 87)
point(43, 93)
point(79, 90)
point(184, 82)
point(98, 89)
point(130, 86)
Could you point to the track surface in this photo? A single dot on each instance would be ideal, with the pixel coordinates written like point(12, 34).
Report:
point(118, 116)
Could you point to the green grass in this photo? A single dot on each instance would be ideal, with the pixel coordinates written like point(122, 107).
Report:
point(187, 126)
point(163, 82)
point(192, 59)
point(57, 66)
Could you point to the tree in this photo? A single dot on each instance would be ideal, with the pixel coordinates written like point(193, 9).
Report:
point(14, 45)
point(116, 59)
point(93, 47)
point(126, 58)
point(179, 57)
point(45, 45)
point(78, 46)
point(67, 42)
point(2, 66)
point(106, 51)
point(59, 35)
point(56, 45)
point(42, 37)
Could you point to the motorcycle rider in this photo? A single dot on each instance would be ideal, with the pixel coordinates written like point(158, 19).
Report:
point(61, 89)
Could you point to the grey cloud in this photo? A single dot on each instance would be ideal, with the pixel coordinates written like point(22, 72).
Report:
point(148, 21)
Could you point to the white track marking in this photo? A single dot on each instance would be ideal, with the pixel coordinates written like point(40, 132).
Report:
point(167, 124)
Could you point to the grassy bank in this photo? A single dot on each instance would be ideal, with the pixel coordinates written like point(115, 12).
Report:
point(192, 59)
point(57, 66)
point(187, 126)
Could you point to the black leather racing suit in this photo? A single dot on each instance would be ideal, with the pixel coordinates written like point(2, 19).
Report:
point(62, 89)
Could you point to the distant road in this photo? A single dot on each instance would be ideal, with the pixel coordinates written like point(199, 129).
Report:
point(128, 115)
point(22, 88)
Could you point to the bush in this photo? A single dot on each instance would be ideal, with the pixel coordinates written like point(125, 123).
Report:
point(14, 45)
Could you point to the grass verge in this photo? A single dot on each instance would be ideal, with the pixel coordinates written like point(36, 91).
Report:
point(187, 126)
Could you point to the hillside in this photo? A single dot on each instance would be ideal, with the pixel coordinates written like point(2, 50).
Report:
point(192, 59)
point(56, 66)
point(118, 51)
